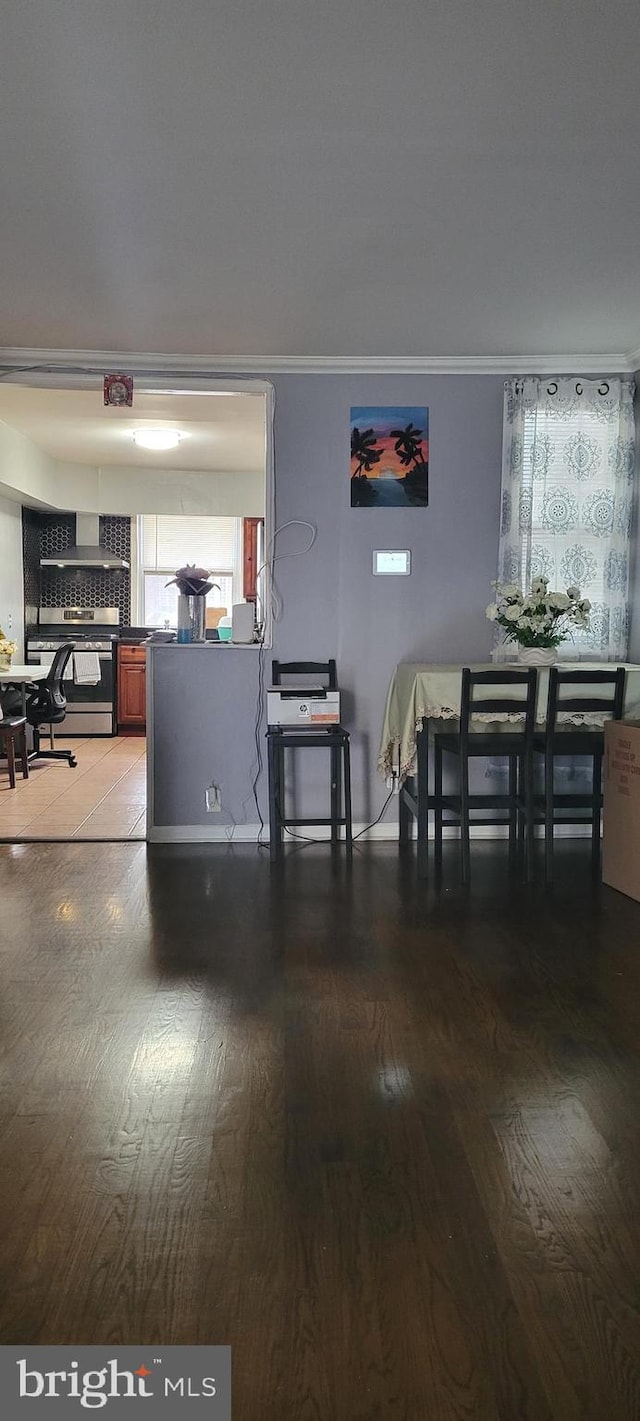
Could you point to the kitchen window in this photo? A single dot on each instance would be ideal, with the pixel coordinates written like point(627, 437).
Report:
point(167, 542)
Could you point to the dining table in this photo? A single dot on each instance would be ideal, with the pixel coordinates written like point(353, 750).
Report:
point(20, 677)
point(423, 695)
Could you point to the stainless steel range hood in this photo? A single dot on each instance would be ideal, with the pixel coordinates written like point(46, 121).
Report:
point(86, 551)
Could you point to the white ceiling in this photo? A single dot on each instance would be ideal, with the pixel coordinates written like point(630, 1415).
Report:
point(223, 433)
point(321, 177)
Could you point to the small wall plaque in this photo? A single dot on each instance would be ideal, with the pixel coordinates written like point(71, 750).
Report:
point(118, 389)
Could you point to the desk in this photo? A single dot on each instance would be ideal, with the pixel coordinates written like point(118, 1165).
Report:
point(420, 693)
point(22, 676)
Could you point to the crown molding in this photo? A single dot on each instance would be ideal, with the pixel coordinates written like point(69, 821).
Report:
point(15, 358)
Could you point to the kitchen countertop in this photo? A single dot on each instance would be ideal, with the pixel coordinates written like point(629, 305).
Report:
point(132, 636)
point(122, 636)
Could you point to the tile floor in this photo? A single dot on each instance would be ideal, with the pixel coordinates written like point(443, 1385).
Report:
point(103, 798)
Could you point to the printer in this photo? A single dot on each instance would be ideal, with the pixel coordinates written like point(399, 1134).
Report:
point(302, 706)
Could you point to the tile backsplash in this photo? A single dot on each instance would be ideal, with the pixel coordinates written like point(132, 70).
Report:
point(44, 535)
point(31, 564)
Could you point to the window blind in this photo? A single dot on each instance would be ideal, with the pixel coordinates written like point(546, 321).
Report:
point(169, 541)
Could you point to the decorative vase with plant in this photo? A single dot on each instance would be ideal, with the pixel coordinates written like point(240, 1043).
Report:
point(7, 650)
point(193, 585)
point(538, 621)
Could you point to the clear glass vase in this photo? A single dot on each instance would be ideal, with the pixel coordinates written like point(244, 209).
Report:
point(191, 617)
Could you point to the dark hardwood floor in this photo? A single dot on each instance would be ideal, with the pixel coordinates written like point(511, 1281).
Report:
point(382, 1140)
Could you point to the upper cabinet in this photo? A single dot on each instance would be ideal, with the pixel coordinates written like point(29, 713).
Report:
point(252, 530)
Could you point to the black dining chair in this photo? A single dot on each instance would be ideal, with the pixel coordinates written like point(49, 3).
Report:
point(500, 694)
point(575, 694)
point(13, 740)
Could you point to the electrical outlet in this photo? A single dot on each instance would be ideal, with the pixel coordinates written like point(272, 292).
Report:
point(213, 799)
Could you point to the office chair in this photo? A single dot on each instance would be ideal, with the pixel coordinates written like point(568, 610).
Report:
point(515, 745)
point(47, 704)
point(596, 691)
point(281, 738)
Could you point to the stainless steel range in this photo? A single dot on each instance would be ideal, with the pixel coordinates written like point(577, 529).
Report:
point(90, 681)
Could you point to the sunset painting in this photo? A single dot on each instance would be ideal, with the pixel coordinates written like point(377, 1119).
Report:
point(389, 456)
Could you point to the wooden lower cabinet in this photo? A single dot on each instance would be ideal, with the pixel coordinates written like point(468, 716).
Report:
point(132, 687)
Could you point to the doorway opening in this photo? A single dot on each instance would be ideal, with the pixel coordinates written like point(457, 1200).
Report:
point(108, 516)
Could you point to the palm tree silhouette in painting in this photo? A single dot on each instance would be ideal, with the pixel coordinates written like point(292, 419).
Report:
point(364, 451)
point(408, 447)
point(408, 443)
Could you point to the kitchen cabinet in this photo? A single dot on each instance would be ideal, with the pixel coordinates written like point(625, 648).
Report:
point(250, 544)
point(132, 687)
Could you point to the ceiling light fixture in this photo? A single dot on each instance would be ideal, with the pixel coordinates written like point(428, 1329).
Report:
point(157, 438)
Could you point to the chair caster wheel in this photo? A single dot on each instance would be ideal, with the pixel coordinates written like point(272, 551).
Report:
point(73, 762)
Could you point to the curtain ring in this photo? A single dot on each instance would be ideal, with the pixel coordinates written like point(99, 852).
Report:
point(552, 389)
point(603, 389)
point(578, 388)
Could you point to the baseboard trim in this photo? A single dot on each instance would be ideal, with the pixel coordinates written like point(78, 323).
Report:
point(382, 833)
point(204, 834)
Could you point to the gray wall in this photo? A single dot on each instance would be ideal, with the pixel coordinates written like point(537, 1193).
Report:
point(332, 604)
point(11, 585)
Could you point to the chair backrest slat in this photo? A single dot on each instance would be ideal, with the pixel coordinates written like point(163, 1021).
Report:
point(499, 706)
point(610, 706)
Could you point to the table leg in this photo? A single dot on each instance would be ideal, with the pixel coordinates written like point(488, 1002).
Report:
point(404, 814)
point(275, 829)
point(336, 794)
point(422, 743)
point(32, 754)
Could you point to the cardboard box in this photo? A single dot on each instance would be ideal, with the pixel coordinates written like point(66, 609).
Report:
point(621, 815)
point(213, 615)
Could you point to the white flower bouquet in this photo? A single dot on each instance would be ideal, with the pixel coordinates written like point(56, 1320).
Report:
point(540, 619)
point(7, 649)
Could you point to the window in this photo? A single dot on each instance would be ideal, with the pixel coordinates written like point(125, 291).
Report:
point(169, 541)
point(567, 491)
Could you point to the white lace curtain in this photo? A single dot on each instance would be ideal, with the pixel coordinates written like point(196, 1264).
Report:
point(568, 464)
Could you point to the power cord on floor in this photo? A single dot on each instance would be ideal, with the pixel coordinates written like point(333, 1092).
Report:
point(373, 823)
point(306, 840)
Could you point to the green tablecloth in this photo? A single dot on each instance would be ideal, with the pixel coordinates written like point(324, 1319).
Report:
point(433, 691)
